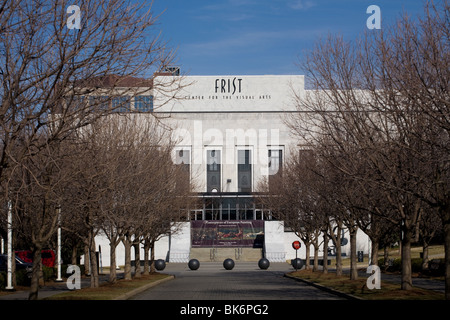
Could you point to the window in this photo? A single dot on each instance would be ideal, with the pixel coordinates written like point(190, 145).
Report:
point(213, 170)
point(76, 102)
point(143, 103)
point(244, 171)
point(275, 162)
point(183, 160)
point(121, 104)
point(183, 157)
point(99, 102)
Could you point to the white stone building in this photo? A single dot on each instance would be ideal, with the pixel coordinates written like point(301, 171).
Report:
point(230, 133)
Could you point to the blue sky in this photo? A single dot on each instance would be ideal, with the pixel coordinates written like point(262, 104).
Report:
point(255, 37)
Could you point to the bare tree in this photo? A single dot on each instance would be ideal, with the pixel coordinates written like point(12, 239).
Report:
point(417, 63)
point(382, 99)
point(35, 188)
point(45, 64)
point(129, 191)
point(430, 227)
point(292, 198)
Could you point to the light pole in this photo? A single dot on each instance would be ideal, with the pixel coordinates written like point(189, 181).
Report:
point(9, 285)
point(58, 278)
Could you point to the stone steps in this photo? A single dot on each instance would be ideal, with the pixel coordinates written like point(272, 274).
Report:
point(220, 254)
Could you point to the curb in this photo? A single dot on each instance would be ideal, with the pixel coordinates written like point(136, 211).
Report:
point(136, 291)
point(336, 292)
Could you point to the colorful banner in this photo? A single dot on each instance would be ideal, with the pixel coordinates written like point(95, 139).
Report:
point(227, 233)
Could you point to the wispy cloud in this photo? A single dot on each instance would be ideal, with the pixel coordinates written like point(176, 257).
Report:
point(231, 10)
point(249, 41)
point(301, 4)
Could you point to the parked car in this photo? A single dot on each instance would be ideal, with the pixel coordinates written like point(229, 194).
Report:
point(20, 265)
point(47, 256)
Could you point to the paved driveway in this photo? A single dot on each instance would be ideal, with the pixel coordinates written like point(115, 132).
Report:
point(246, 281)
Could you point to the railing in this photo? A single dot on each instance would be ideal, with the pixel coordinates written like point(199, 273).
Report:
point(276, 256)
point(179, 257)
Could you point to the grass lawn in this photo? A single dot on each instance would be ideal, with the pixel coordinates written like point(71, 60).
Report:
point(358, 288)
point(109, 291)
point(434, 250)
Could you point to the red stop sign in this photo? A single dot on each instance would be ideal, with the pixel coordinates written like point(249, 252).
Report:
point(296, 245)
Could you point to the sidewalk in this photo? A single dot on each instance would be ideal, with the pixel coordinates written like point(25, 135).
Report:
point(54, 288)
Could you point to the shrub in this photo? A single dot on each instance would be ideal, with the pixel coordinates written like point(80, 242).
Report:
point(416, 264)
point(22, 278)
point(436, 267)
point(396, 264)
point(48, 273)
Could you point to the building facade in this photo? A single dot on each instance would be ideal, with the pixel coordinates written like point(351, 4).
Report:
point(231, 134)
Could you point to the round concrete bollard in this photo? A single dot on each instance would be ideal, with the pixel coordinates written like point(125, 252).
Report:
point(194, 264)
point(263, 263)
point(297, 263)
point(228, 264)
point(160, 264)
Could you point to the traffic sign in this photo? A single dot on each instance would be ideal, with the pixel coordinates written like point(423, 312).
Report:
point(296, 245)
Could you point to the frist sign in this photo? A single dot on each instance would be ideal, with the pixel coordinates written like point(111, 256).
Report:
point(228, 85)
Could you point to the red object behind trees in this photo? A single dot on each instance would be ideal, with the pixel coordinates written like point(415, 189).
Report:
point(47, 256)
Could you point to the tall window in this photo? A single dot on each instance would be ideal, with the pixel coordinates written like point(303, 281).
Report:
point(183, 160)
point(275, 166)
point(213, 170)
point(143, 103)
point(244, 171)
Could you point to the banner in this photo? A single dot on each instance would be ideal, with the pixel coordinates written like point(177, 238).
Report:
point(227, 233)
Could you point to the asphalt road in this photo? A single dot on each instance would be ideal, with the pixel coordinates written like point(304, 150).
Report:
point(246, 281)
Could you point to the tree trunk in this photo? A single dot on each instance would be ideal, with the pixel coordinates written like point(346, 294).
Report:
point(87, 269)
point(353, 261)
point(112, 264)
point(13, 266)
point(73, 258)
point(386, 256)
point(338, 258)
point(406, 258)
point(374, 251)
point(146, 257)
point(308, 254)
point(137, 261)
point(94, 263)
point(36, 275)
point(152, 253)
point(127, 268)
point(316, 255)
point(325, 253)
point(425, 255)
point(336, 238)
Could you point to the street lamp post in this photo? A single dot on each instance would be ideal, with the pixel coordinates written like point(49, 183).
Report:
point(9, 285)
point(59, 247)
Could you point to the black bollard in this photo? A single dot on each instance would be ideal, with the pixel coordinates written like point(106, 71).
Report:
point(228, 264)
point(297, 263)
point(194, 264)
point(263, 263)
point(160, 264)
